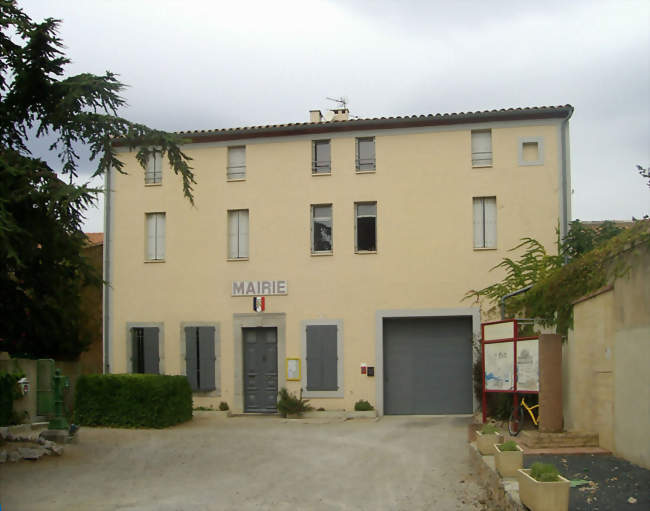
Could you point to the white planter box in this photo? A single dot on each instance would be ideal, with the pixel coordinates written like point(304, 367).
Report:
point(540, 496)
point(485, 443)
point(508, 462)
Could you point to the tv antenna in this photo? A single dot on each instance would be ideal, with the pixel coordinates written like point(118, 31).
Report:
point(342, 101)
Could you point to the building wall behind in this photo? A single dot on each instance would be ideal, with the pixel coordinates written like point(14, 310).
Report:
point(423, 185)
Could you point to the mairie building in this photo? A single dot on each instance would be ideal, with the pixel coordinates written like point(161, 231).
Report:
point(329, 257)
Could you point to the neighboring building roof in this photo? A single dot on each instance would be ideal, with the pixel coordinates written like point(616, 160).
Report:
point(598, 223)
point(375, 123)
point(95, 238)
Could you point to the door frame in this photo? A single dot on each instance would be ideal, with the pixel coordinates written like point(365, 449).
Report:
point(255, 320)
point(380, 315)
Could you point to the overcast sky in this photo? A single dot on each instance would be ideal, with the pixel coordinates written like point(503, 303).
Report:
point(215, 64)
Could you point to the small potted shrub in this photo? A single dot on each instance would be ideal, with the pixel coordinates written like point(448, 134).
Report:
point(508, 458)
point(291, 406)
point(486, 437)
point(542, 488)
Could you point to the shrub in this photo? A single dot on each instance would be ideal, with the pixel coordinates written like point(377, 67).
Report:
point(132, 400)
point(489, 429)
point(8, 394)
point(223, 406)
point(291, 404)
point(544, 472)
point(363, 406)
point(508, 446)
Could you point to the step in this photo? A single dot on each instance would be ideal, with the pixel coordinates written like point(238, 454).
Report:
point(538, 440)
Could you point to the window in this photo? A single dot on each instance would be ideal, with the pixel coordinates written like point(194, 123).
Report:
point(144, 350)
point(236, 162)
point(365, 154)
point(531, 151)
point(156, 236)
point(200, 357)
point(322, 376)
point(485, 222)
point(238, 234)
point(481, 148)
point(153, 173)
point(321, 159)
point(365, 226)
point(321, 228)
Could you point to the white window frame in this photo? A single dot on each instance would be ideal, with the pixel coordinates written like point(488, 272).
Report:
point(356, 224)
point(357, 158)
point(339, 353)
point(540, 151)
point(479, 207)
point(314, 162)
point(153, 172)
point(312, 220)
point(477, 160)
point(155, 253)
point(238, 254)
point(236, 172)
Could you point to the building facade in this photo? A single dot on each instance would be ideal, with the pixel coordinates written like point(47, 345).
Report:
point(328, 257)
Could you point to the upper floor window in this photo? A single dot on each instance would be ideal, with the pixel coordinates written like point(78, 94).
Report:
point(485, 222)
point(238, 234)
point(365, 226)
point(236, 162)
point(153, 173)
point(321, 161)
point(321, 228)
point(155, 236)
point(481, 148)
point(531, 151)
point(365, 157)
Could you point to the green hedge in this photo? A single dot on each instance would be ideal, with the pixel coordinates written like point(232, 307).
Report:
point(132, 400)
point(8, 392)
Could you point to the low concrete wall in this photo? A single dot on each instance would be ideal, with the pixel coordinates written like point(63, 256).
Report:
point(606, 362)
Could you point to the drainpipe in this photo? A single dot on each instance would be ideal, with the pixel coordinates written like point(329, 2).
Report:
point(107, 271)
point(502, 300)
point(566, 177)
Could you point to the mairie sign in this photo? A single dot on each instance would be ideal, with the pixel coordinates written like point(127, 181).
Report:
point(259, 287)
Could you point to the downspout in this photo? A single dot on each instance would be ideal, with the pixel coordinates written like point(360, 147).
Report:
point(502, 300)
point(107, 271)
point(566, 178)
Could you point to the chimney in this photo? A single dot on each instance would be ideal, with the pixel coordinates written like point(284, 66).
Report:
point(315, 116)
point(340, 114)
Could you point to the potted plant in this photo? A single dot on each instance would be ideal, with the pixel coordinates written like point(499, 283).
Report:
point(542, 488)
point(291, 406)
point(508, 458)
point(486, 438)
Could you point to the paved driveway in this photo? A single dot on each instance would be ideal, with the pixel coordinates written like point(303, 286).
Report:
point(396, 463)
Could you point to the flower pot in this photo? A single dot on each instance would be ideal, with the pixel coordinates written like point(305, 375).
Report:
point(539, 496)
point(508, 462)
point(485, 442)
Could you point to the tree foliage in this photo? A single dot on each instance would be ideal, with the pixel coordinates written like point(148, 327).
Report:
point(595, 258)
point(41, 266)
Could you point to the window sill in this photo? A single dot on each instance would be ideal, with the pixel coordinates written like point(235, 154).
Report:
point(530, 163)
point(366, 171)
point(318, 174)
point(235, 179)
point(235, 259)
point(154, 260)
point(322, 394)
point(485, 166)
point(481, 249)
point(320, 254)
point(153, 184)
point(363, 252)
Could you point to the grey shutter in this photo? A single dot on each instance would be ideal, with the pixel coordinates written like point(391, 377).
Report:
point(190, 357)
point(206, 358)
point(151, 353)
point(322, 358)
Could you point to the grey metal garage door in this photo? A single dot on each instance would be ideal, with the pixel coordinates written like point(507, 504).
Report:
point(428, 365)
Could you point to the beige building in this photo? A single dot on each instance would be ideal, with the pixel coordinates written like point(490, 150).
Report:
point(361, 235)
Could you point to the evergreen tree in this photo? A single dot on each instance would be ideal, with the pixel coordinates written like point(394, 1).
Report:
point(41, 266)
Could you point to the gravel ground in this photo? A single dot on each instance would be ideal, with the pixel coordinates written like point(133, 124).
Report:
point(614, 484)
point(251, 463)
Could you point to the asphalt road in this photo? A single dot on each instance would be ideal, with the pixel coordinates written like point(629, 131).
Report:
point(396, 463)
